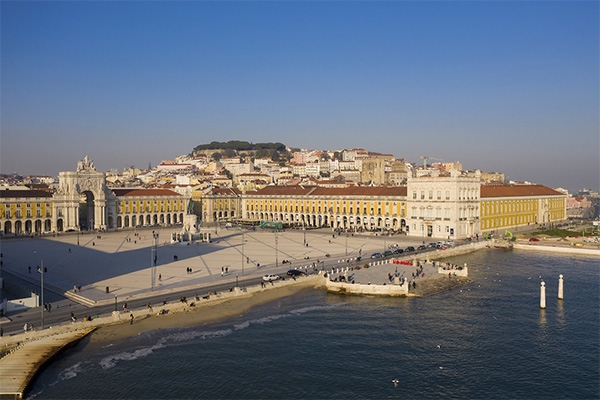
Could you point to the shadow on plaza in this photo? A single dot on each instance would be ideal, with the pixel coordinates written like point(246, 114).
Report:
point(67, 264)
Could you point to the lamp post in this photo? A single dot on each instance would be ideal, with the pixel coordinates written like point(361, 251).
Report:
point(242, 253)
point(154, 257)
point(42, 287)
point(346, 243)
point(115, 302)
point(276, 251)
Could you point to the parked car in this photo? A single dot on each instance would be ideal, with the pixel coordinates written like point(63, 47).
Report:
point(409, 248)
point(398, 251)
point(270, 277)
point(387, 253)
point(421, 247)
point(295, 272)
point(432, 245)
point(376, 255)
point(534, 239)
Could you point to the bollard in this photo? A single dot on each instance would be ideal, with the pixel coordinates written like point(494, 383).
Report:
point(543, 295)
point(465, 265)
point(560, 287)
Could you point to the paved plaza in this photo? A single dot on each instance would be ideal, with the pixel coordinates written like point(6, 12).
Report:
point(121, 260)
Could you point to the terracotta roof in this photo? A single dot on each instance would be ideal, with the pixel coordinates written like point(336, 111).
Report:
point(284, 191)
point(226, 191)
point(24, 193)
point(361, 191)
point(517, 190)
point(324, 191)
point(144, 192)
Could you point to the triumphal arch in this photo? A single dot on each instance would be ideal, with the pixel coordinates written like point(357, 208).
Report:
point(81, 199)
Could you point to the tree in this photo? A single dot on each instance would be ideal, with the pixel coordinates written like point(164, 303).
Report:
point(229, 153)
point(337, 155)
point(216, 156)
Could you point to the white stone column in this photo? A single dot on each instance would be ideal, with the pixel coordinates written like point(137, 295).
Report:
point(543, 295)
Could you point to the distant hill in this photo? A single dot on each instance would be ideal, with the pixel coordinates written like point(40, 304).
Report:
point(277, 151)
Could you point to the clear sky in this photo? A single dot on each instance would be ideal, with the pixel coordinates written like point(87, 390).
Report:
point(500, 86)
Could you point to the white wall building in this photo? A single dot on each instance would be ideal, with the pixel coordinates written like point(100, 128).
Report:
point(443, 206)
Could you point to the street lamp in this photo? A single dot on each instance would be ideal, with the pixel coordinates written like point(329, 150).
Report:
point(276, 251)
point(42, 287)
point(154, 257)
point(242, 253)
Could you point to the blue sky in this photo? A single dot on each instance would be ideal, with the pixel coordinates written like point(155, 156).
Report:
point(500, 86)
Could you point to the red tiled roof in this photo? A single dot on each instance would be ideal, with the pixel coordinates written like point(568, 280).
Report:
point(226, 191)
point(361, 191)
point(324, 191)
point(284, 191)
point(144, 192)
point(24, 193)
point(517, 190)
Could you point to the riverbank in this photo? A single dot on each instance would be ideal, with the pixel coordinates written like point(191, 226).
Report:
point(202, 312)
point(193, 312)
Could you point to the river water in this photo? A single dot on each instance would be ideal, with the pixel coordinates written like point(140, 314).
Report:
point(487, 340)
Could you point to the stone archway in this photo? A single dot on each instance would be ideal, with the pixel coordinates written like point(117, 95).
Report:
point(81, 198)
point(86, 210)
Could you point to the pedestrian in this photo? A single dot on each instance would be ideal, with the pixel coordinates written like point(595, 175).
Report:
point(125, 307)
point(226, 270)
point(74, 288)
point(25, 327)
point(29, 268)
point(130, 319)
point(1, 332)
point(159, 277)
point(80, 288)
point(49, 307)
point(222, 272)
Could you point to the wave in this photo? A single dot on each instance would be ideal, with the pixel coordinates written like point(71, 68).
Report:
point(186, 334)
point(179, 336)
point(71, 372)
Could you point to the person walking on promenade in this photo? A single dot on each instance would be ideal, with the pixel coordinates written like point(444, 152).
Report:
point(131, 319)
point(159, 277)
point(125, 307)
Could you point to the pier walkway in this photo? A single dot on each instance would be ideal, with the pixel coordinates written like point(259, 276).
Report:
point(18, 367)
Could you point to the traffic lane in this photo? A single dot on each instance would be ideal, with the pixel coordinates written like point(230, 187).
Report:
point(62, 314)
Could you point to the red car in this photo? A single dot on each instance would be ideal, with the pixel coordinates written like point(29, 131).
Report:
point(534, 239)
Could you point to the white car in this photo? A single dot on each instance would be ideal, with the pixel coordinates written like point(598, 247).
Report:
point(271, 277)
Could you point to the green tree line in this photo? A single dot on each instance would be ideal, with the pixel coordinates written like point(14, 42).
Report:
point(240, 145)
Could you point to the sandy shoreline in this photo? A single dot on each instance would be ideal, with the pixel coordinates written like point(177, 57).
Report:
point(200, 314)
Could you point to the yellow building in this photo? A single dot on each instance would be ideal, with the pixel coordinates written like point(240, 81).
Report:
point(513, 206)
point(146, 207)
point(217, 204)
point(358, 208)
point(25, 211)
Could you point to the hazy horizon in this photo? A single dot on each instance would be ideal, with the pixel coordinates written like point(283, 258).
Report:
point(511, 87)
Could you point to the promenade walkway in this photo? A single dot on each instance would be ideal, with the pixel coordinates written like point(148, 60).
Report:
point(19, 367)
